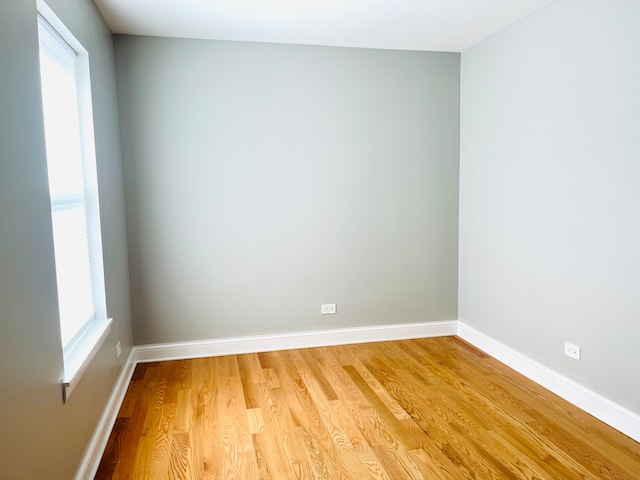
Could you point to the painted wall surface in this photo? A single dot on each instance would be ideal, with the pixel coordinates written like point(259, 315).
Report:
point(264, 180)
point(550, 191)
point(40, 437)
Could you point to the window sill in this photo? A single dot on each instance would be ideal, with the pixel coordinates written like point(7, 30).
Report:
point(78, 358)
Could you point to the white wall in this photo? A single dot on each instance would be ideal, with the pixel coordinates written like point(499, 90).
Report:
point(550, 191)
point(40, 437)
point(263, 180)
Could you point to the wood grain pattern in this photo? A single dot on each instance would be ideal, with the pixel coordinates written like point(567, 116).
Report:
point(435, 409)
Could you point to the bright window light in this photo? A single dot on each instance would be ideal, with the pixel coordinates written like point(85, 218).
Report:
point(66, 182)
point(73, 189)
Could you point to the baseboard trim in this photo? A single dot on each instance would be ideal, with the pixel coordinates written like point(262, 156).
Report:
point(286, 341)
point(611, 413)
point(91, 460)
point(234, 346)
point(602, 408)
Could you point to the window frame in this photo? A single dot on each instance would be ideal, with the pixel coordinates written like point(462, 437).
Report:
point(81, 349)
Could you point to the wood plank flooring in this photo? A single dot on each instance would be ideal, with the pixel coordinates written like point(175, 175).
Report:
point(417, 409)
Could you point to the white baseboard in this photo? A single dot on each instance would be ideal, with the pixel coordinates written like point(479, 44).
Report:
point(91, 460)
point(611, 413)
point(238, 345)
point(600, 407)
point(286, 341)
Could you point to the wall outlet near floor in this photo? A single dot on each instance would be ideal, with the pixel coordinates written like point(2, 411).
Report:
point(571, 350)
point(118, 350)
point(328, 309)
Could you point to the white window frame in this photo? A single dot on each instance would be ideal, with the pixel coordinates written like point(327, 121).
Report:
point(82, 348)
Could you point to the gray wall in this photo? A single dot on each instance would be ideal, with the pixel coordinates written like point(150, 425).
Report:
point(550, 191)
point(40, 438)
point(263, 180)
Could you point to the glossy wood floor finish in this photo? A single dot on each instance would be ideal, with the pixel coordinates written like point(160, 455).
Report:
point(417, 409)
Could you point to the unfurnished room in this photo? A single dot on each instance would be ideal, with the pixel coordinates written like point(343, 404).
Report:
point(319, 240)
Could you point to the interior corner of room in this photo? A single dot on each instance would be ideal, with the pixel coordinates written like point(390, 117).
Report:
point(491, 193)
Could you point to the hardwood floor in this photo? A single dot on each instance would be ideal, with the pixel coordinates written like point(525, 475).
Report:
point(418, 409)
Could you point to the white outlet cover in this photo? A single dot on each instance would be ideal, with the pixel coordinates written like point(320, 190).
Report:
point(328, 309)
point(571, 350)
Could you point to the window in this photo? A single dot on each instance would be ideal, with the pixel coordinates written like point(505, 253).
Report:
point(71, 166)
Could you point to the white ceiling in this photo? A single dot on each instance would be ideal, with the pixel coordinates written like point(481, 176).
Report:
point(431, 25)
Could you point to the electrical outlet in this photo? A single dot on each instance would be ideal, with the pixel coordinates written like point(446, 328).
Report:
point(571, 350)
point(328, 309)
point(118, 350)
